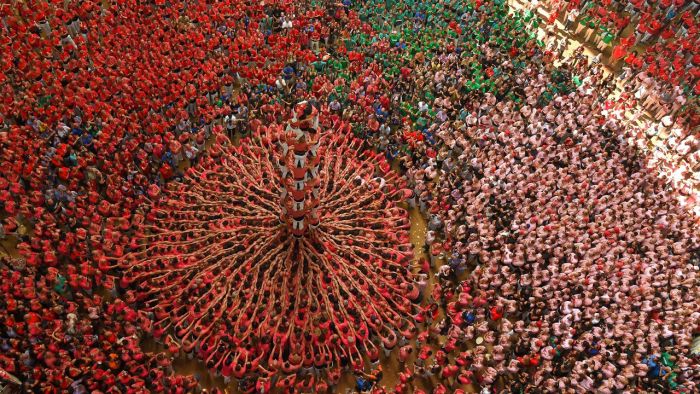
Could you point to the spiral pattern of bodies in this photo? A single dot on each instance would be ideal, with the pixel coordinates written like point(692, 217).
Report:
point(224, 278)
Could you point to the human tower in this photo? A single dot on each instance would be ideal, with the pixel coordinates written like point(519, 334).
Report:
point(299, 165)
point(281, 253)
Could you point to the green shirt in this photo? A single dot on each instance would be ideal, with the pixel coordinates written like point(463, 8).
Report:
point(60, 286)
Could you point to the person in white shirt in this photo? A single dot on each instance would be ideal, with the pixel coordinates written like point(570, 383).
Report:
point(571, 18)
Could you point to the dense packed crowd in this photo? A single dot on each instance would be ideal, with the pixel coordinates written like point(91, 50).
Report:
point(655, 43)
point(562, 260)
point(659, 36)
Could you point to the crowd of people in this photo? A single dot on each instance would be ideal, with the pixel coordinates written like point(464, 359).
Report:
point(660, 37)
point(655, 44)
point(563, 261)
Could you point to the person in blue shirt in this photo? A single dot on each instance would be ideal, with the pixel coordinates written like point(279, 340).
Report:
point(362, 384)
point(428, 136)
point(381, 114)
point(654, 367)
point(671, 13)
point(469, 317)
point(86, 139)
point(168, 158)
point(288, 72)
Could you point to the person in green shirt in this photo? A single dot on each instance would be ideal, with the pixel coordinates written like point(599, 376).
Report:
point(60, 286)
point(606, 37)
point(577, 81)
